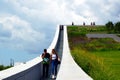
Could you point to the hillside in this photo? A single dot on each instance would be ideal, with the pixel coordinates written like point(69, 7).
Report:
point(98, 57)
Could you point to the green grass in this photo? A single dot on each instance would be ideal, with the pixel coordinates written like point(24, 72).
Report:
point(92, 65)
point(100, 44)
point(88, 29)
point(111, 59)
point(97, 57)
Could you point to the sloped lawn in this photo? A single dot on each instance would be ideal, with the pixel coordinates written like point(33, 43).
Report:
point(100, 58)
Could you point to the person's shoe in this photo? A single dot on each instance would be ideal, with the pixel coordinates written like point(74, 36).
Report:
point(53, 76)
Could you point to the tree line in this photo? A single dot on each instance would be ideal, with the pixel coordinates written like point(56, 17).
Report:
point(113, 27)
point(2, 67)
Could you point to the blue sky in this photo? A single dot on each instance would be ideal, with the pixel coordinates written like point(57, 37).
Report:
point(28, 26)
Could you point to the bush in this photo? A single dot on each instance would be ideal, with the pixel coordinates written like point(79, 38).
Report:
point(117, 27)
point(109, 27)
point(1, 67)
point(4, 67)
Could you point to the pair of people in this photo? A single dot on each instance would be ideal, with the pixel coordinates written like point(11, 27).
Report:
point(47, 59)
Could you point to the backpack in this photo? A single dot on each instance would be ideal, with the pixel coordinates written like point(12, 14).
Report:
point(45, 61)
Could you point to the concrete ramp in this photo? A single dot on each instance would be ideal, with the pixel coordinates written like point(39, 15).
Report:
point(69, 70)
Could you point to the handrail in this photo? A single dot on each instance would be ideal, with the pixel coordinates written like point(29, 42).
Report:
point(69, 70)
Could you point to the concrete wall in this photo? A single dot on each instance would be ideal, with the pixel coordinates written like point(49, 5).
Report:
point(23, 71)
point(69, 70)
point(31, 70)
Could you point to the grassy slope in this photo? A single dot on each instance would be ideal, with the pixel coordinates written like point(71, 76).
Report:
point(111, 59)
point(98, 58)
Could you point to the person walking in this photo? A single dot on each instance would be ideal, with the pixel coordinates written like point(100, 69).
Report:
point(46, 60)
point(54, 63)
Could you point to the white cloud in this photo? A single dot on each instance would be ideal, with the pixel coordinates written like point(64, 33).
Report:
point(45, 10)
point(22, 34)
point(56, 11)
point(34, 18)
point(20, 28)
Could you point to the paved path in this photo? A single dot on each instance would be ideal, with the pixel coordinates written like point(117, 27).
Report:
point(116, 38)
point(59, 49)
point(69, 70)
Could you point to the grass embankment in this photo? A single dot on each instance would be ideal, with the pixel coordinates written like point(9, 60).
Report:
point(97, 57)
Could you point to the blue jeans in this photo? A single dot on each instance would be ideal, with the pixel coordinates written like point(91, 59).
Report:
point(54, 67)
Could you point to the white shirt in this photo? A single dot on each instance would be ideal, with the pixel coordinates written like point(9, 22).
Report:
point(54, 56)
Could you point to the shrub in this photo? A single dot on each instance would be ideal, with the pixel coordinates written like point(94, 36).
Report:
point(117, 27)
point(109, 27)
point(2, 67)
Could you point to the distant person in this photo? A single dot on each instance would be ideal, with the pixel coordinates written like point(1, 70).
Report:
point(61, 27)
point(54, 62)
point(83, 23)
point(46, 60)
point(72, 23)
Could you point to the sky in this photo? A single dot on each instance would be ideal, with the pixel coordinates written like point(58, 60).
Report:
point(28, 26)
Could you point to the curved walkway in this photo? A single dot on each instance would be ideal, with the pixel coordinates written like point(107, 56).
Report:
point(59, 49)
point(69, 70)
point(32, 70)
point(116, 38)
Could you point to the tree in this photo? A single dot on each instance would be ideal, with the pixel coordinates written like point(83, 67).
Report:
point(117, 27)
point(109, 26)
point(2, 67)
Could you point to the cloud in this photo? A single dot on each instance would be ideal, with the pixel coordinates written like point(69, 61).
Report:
point(65, 11)
point(45, 10)
point(30, 24)
point(4, 33)
point(19, 33)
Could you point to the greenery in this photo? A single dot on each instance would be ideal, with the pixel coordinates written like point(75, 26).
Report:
point(100, 44)
point(4, 67)
point(113, 28)
point(117, 27)
point(110, 27)
point(82, 30)
point(97, 57)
